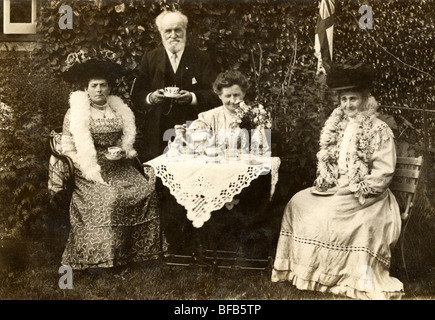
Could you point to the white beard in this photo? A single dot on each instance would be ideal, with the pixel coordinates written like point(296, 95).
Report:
point(174, 46)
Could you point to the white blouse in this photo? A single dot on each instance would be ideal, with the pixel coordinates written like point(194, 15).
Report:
point(349, 133)
point(217, 119)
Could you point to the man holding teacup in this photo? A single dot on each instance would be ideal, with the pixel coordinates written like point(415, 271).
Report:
point(173, 84)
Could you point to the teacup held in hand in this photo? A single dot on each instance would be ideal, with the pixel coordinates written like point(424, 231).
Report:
point(114, 153)
point(171, 92)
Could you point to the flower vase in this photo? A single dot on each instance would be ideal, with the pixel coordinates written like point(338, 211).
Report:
point(259, 142)
point(244, 141)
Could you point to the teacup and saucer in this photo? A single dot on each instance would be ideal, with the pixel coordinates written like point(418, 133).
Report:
point(114, 153)
point(171, 92)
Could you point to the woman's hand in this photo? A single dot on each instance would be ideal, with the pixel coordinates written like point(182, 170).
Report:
point(99, 179)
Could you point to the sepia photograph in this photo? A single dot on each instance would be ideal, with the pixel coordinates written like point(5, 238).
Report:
point(217, 158)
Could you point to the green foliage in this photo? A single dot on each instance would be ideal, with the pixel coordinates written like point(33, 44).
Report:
point(119, 26)
point(399, 47)
point(24, 144)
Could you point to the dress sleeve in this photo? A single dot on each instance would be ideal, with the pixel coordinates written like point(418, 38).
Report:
point(68, 146)
point(206, 120)
point(381, 166)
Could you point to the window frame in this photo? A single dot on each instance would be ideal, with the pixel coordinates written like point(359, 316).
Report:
point(19, 32)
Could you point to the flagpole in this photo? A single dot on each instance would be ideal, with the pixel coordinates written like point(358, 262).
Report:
point(321, 82)
point(323, 44)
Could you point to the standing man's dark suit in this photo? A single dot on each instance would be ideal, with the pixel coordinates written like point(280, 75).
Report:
point(195, 73)
point(155, 113)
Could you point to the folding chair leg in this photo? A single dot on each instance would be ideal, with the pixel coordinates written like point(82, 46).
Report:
point(402, 251)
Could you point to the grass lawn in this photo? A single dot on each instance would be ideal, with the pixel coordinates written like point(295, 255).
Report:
point(39, 279)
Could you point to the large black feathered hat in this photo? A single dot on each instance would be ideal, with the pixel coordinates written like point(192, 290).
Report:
point(84, 65)
point(350, 75)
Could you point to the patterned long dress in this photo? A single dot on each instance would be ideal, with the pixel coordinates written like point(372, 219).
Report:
point(113, 224)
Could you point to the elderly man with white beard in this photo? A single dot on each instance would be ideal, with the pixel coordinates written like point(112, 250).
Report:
point(193, 73)
point(174, 64)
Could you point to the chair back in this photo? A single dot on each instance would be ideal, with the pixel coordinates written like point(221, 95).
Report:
point(404, 186)
point(61, 168)
point(405, 182)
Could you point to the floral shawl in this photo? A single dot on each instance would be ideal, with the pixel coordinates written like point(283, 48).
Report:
point(367, 140)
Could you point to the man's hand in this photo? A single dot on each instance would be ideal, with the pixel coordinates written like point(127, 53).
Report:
point(157, 97)
point(185, 98)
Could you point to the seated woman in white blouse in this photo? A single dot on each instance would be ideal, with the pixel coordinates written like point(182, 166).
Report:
point(337, 236)
point(231, 87)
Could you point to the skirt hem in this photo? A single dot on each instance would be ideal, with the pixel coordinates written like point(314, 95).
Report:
point(337, 289)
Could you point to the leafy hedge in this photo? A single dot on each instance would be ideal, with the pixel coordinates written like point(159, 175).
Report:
point(27, 118)
point(271, 41)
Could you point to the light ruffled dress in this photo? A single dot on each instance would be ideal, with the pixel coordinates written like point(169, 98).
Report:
point(333, 244)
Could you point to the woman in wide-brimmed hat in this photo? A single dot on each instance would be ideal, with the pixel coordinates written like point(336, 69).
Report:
point(113, 213)
point(337, 236)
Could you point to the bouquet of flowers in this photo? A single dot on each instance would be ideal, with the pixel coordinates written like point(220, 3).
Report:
point(253, 116)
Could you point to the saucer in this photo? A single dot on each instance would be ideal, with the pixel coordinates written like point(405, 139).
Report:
point(323, 193)
point(254, 162)
point(171, 95)
point(110, 157)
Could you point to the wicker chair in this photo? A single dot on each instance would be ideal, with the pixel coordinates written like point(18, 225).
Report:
point(61, 168)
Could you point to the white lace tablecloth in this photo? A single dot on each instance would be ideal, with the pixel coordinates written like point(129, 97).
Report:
point(203, 187)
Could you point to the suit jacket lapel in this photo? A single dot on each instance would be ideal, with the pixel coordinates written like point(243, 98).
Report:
point(183, 68)
point(161, 62)
point(185, 59)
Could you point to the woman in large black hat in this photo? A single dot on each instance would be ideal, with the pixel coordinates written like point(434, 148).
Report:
point(337, 236)
point(113, 213)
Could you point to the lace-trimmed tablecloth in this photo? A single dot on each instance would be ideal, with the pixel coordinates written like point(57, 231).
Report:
point(203, 187)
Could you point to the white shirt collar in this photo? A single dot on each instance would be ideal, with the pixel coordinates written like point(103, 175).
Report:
point(179, 54)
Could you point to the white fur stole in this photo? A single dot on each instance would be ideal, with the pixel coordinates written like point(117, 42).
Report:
point(80, 119)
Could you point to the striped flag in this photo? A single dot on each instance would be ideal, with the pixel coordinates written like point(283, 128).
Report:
point(324, 34)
